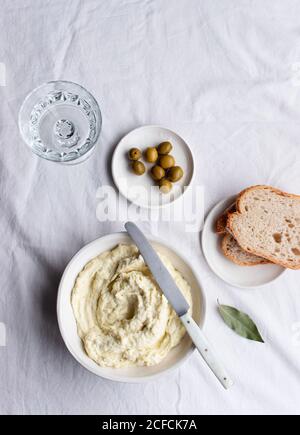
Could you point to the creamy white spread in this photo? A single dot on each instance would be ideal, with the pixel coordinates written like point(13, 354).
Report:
point(122, 316)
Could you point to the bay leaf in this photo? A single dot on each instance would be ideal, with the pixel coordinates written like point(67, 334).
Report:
point(240, 323)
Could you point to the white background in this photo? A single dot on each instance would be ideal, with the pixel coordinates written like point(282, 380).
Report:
point(223, 74)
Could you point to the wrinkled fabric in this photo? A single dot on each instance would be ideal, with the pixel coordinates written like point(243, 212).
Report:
point(224, 75)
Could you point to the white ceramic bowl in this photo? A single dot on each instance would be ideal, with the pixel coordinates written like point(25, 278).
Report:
point(67, 323)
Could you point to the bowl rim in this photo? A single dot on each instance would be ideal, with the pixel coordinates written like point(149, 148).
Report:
point(117, 378)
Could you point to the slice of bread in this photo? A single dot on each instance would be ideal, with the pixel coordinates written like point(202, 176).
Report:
point(267, 224)
point(235, 253)
point(221, 223)
point(229, 245)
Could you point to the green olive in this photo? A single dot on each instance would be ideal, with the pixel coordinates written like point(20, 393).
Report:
point(151, 155)
point(165, 186)
point(166, 161)
point(175, 173)
point(164, 148)
point(134, 154)
point(157, 172)
point(138, 168)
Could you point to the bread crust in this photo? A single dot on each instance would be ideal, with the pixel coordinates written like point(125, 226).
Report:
point(234, 259)
point(240, 212)
point(221, 223)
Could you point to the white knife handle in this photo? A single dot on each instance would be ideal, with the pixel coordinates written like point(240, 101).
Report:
point(206, 351)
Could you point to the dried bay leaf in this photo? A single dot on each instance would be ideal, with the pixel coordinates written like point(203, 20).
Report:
point(240, 323)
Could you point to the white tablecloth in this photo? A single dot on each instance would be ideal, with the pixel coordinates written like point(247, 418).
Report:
point(224, 75)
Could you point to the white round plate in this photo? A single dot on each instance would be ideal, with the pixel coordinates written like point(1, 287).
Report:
point(233, 274)
point(141, 190)
point(67, 323)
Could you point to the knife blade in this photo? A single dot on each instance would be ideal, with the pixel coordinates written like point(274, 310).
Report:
point(159, 271)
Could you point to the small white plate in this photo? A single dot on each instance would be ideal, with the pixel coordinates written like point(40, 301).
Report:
point(140, 189)
point(67, 323)
point(233, 274)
